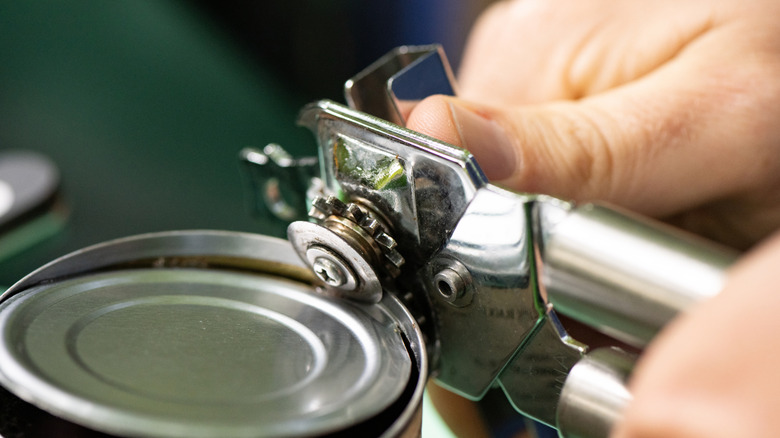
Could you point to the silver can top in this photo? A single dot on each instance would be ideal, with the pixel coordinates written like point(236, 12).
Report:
point(170, 351)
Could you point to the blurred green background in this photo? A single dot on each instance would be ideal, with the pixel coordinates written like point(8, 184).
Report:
point(144, 105)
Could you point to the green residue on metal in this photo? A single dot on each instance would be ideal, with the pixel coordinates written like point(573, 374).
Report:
point(367, 167)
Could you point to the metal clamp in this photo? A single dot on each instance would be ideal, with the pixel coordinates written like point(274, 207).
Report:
point(488, 266)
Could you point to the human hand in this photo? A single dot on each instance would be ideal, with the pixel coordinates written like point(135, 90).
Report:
point(669, 108)
point(712, 372)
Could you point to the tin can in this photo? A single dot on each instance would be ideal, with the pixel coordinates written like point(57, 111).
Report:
point(207, 333)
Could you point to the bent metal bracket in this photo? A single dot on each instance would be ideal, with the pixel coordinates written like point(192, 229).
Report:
point(382, 209)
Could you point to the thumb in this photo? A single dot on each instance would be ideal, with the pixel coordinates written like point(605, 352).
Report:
point(555, 149)
point(456, 122)
point(658, 146)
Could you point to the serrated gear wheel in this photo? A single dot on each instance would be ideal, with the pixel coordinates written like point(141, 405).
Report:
point(357, 224)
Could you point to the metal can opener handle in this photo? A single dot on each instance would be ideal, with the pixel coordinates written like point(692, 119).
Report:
point(484, 269)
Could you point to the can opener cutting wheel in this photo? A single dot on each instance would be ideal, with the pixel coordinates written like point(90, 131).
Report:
point(484, 270)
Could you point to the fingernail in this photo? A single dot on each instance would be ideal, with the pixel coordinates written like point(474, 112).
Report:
point(487, 140)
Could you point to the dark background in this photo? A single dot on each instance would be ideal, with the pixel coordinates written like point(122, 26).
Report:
point(144, 105)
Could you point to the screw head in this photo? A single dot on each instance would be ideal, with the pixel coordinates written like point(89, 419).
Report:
point(331, 269)
point(332, 274)
point(312, 241)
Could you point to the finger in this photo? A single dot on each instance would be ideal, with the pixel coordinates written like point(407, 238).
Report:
point(533, 51)
point(665, 142)
point(709, 374)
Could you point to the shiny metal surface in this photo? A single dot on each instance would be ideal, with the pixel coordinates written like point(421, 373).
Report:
point(492, 242)
point(408, 422)
point(279, 183)
point(330, 268)
point(174, 346)
point(487, 268)
point(420, 185)
point(533, 378)
point(312, 241)
point(348, 248)
point(194, 248)
point(389, 87)
point(595, 394)
point(626, 275)
point(507, 334)
point(517, 251)
point(366, 229)
point(454, 282)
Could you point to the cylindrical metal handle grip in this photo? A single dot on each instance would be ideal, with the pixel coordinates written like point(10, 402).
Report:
point(594, 394)
point(625, 275)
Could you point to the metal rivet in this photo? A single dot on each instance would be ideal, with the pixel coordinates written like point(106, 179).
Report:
point(450, 284)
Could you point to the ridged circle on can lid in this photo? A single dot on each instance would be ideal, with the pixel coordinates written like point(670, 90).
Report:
point(197, 352)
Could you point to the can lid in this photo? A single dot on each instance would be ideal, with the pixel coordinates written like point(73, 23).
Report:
point(199, 352)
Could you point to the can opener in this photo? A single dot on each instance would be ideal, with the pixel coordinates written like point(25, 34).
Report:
point(484, 270)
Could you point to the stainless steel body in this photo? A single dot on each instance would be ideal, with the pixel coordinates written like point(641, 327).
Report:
point(624, 275)
point(406, 231)
point(594, 394)
point(489, 268)
point(206, 333)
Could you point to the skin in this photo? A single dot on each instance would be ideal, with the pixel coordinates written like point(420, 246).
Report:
point(670, 108)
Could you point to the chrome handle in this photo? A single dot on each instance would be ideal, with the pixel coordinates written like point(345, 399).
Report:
point(487, 269)
point(626, 275)
point(595, 394)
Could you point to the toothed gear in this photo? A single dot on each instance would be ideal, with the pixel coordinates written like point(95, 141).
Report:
point(391, 259)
